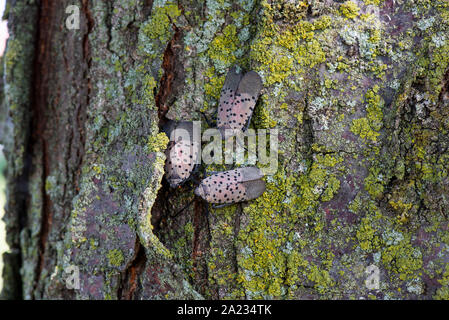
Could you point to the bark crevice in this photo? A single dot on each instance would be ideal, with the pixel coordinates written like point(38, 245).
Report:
point(39, 143)
point(130, 277)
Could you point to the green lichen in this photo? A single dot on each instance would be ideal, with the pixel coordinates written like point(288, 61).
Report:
point(115, 257)
point(262, 119)
point(367, 128)
point(290, 11)
point(322, 23)
point(265, 241)
point(403, 259)
point(436, 66)
point(373, 2)
point(213, 87)
point(161, 21)
point(374, 182)
point(224, 45)
point(12, 55)
point(292, 49)
point(362, 128)
point(349, 9)
point(158, 143)
point(442, 293)
point(368, 235)
point(403, 210)
point(379, 70)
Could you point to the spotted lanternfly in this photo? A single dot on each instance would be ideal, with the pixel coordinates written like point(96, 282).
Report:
point(237, 101)
point(182, 152)
point(232, 186)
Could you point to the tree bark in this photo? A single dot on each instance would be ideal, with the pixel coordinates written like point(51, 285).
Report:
point(359, 91)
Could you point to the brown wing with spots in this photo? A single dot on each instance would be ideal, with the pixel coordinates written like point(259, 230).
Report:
point(245, 100)
point(232, 186)
point(227, 97)
point(181, 153)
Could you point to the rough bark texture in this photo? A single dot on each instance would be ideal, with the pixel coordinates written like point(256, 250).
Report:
point(358, 89)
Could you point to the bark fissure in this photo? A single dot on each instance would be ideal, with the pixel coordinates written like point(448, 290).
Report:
point(130, 277)
point(39, 122)
point(166, 83)
point(90, 24)
point(200, 243)
point(81, 109)
point(161, 210)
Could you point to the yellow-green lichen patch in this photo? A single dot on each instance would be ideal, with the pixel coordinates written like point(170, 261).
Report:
point(319, 184)
point(369, 234)
point(349, 9)
point(268, 239)
point(158, 143)
point(438, 63)
point(374, 182)
point(181, 249)
point(155, 33)
point(115, 257)
point(373, 2)
point(403, 210)
point(367, 128)
point(221, 272)
point(361, 127)
point(291, 48)
point(403, 259)
point(262, 259)
point(379, 69)
point(262, 119)
point(214, 83)
point(224, 45)
point(442, 293)
point(161, 21)
point(12, 55)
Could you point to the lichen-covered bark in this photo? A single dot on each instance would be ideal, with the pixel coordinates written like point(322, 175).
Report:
point(82, 105)
point(358, 89)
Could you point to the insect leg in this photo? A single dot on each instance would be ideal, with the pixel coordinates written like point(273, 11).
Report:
point(211, 124)
point(185, 207)
point(214, 206)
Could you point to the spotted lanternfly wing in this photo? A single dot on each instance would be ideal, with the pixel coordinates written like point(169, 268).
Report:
point(232, 186)
point(236, 111)
point(245, 101)
point(227, 97)
point(181, 153)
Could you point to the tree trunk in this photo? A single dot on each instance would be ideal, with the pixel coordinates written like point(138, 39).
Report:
point(358, 207)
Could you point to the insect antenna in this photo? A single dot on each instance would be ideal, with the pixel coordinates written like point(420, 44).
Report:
point(211, 124)
point(184, 208)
